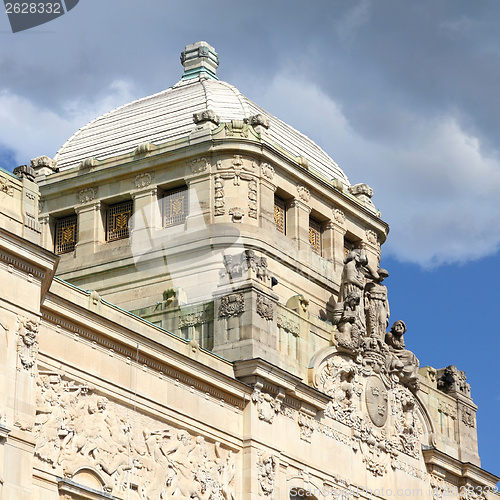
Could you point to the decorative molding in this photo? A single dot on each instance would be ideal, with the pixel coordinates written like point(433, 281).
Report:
point(267, 171)
point(303, 193)
point(87, 195)
point(287, 325)
point(252, 199)
point(6, 187)
point(338, 216)
point(371, 237)
point(447, 409)
point(27, 344)
point(199, 165)
point(219, 203)
point(195, 318)
point(267, 406)
point(143, 180)
point(265, 307)
point(232, 305)
point(266, 469)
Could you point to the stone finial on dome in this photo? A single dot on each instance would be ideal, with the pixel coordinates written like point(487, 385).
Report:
point(199, 58)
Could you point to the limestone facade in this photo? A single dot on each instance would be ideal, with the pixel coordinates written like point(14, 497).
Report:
point(205, 317)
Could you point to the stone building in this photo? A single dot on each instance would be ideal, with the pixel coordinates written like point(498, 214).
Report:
point(192, 307)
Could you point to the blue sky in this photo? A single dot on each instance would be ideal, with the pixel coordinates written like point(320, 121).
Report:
point(402, 94)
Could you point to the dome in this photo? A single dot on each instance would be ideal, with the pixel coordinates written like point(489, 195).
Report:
point(168, 115)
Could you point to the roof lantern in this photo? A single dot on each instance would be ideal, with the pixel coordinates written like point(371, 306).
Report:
point(199, 58)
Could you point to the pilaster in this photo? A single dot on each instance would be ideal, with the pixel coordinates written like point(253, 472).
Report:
point(298, 223)
point(90, 228)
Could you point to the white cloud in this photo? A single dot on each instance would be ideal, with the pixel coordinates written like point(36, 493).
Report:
point(30, 130)
point(436, 188)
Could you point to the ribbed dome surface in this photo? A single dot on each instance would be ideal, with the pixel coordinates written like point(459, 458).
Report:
point(168, 115)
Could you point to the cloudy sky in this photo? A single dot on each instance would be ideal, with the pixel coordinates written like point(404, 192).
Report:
point(402, 94)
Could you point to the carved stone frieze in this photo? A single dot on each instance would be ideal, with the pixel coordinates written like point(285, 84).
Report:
point(287, 325)
point(447, 409)
point(232, 305)
point(76, 428)
point(265, 307)
point(195, 318)
point(87, 195)
point(236, 266)
point(27, 344)
point(143, 180)
point(267, 405)
point(303, 193)
point(266, 468)
point(6, 187)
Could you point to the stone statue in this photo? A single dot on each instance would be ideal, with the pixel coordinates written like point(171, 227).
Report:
point(377, 306)
point(401, 361)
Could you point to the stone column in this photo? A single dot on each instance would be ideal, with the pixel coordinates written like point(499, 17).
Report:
point(90, 228)
point(47, 231)
point(298, 223)
point(147, 215)
point(200, 193)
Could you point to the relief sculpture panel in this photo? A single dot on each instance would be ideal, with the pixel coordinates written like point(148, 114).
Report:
point(76, 428)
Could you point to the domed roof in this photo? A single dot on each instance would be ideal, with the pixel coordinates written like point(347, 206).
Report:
point(168, 115)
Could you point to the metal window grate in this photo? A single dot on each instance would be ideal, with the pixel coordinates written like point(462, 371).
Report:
point(315, 235)
point(175, 206)
point(66, 231)
point(117, 221)
point(279, 215)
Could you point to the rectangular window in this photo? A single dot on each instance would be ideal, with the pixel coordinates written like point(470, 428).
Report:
point(117, 221)
point(175, 206)
point(66, 231)
point(315, 235)
point(280, 215)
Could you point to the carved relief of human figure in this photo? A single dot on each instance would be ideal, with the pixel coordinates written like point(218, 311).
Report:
point(377, 306)
point(402, 362)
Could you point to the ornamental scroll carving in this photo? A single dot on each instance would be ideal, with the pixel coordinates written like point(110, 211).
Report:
point(266, 467)
point(232, 305)
point(27, 344)
point(78, 428)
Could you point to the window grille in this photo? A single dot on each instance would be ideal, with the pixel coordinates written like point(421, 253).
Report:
point(66, 231)
point(315, 235)
point(117, 221)
point(174, 206)
point(280, 215)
